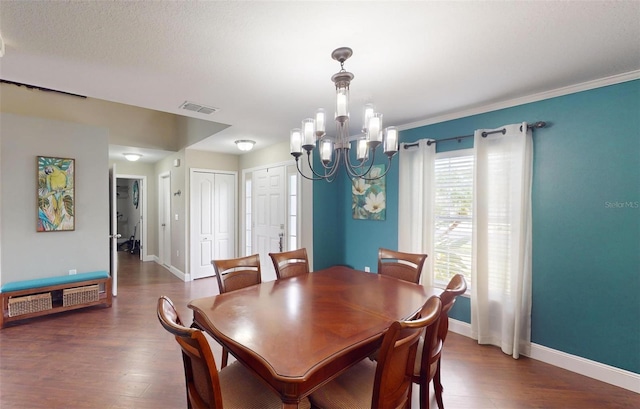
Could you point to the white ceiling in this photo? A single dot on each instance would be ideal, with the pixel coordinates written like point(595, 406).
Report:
point(266, 65)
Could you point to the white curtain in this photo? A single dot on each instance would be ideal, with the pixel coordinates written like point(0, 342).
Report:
point(501, 264)
point(415, 203)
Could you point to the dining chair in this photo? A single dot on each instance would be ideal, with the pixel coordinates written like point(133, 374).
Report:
point(404, 266)
point(207, 388)
point(290, 263)
point(428, 359)
point(234, 274)
point(386, 383)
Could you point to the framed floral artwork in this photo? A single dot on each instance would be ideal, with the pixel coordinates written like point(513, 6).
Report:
point(369, 196)
point(56, 194)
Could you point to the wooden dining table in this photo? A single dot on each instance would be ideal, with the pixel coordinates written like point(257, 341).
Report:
point(299, 333)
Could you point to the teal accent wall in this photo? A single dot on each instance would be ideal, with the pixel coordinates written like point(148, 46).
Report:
point(586, 220)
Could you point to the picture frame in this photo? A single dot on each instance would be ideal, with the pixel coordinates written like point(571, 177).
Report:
point(55, 194)
point(369, 201)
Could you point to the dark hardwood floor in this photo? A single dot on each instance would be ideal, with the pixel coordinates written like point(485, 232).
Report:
point(121, 357)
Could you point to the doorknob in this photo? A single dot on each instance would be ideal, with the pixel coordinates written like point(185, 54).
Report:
point(281, 235)
point(115, 236)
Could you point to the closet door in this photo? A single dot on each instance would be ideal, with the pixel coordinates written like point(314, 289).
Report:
point(213, 220)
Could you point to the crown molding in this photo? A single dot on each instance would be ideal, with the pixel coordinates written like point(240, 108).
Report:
point(571, 89)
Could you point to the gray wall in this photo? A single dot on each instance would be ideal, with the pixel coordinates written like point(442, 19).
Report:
point(27, 254)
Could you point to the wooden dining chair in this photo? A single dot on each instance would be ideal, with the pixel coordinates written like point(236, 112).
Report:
point(404, 266)
point(387, 382)
point(290, 263)
point(428, 360)
point(207, 388)
point(234, 274)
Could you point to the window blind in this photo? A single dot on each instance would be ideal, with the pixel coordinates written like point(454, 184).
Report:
point(453, 216)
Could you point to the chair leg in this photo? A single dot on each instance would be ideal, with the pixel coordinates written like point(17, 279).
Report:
point(424, 394)
point(437, 386)
point(225, 357)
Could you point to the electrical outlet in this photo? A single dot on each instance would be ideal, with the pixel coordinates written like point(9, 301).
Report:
point(177, 253)
point(367, 269)
point(73, 271)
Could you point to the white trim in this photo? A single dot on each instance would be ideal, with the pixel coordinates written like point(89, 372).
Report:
point(596, 370)
point(180, 274)
point(176, 272)
point(571, 89)
point(271, 165)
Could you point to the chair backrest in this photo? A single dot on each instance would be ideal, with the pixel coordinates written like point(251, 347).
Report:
point(457, 286)
point(393, 378)
point(201, 374)
point(405, 266)
point(290, 263)
point(425, 368)
point(236, 273)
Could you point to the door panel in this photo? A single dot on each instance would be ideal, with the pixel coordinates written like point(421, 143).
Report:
point(212, 220)
point(269, 215)
point(164, 231)
point(114, 236)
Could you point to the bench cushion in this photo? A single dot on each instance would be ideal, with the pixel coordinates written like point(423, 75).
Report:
point(48, 281)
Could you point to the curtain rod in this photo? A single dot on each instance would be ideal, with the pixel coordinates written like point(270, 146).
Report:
point(539, 124)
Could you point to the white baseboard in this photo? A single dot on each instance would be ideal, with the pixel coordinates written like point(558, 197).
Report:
point(596, 370)
point(180, 274)
point(174, 271)
point(150, 257)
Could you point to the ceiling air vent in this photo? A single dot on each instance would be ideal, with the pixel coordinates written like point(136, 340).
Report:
point(203, 109)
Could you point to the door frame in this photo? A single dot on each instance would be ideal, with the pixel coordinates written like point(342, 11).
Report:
point(304, 211)
point(162, 195)
point(144, 256)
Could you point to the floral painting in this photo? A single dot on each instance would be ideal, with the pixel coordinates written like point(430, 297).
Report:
point(56, 194)
point(369, 196)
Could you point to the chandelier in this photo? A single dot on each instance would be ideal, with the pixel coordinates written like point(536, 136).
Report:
point(334, 152)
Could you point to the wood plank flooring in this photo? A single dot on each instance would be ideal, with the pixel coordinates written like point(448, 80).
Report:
point(122, 358)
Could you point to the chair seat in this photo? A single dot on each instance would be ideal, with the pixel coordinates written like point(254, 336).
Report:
point(241, 389)
point(353, 389)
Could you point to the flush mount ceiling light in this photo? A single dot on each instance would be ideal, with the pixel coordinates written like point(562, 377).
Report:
point(245, 144)
point(132, 156)
point(313, 131)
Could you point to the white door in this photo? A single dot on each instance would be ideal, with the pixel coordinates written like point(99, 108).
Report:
point(164, 213)
point(113, 229)
point(213, 220)
point(269, 213)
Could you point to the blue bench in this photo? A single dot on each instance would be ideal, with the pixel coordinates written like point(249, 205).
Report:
point(43, 290)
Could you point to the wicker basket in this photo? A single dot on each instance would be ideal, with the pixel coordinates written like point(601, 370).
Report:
point(29, 304)
point(80, 295)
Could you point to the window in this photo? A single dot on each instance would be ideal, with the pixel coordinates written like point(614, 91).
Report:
point(453, 215)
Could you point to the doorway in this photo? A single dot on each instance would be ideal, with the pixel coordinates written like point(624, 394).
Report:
point(276, 201)
point(130, 215)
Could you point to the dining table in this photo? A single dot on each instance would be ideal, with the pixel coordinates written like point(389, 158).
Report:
point(300, 332)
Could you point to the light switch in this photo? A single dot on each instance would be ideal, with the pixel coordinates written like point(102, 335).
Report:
point(176, 216)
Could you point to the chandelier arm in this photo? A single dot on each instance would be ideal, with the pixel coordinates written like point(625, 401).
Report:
point(351, 170)
point(326, 176)
point(305, 176)
point(385, 172)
